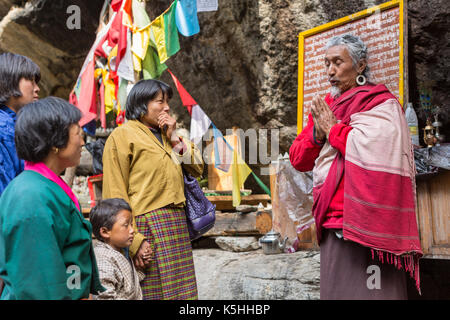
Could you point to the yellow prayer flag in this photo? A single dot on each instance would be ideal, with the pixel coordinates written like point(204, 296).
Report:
point(240, 172)
point(112, 58)
point(157, 27)
point(110, 89)
point(98, 72)
point(137, 63)
point(141, 39)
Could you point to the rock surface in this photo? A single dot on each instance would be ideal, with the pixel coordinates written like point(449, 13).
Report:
point(38, 29)
point(237, 244)
point(224, 275)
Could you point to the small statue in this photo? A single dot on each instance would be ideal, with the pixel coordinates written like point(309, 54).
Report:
point(428, 135)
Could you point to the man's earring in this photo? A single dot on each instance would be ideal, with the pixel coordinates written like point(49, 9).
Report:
point(361, 80)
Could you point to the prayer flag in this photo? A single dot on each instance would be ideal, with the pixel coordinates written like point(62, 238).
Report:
point(165, 34)
point(122, 93)
point(116, 4)
point(186, 98)
point(116, 35)
point(110, 92)
point(102, 103)
point(140, 16)
point(126, 69)
point(171, 31)
point(86, 100)
point(141, 34)
point(186, 17)
point(141, 40)
point(127, 18)
point(223, 152)
point(240, 172)
point(77, 88)
point(199, 124)
point(137, 63)
point(121, 42)
point(261, 184)
point(157, 30)
point(151, 67)
point(199, 120)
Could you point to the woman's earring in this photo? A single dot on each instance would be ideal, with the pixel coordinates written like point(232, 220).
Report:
point(361, 80)
point(56, 150)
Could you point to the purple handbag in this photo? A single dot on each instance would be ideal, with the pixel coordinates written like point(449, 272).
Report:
point(200, 212)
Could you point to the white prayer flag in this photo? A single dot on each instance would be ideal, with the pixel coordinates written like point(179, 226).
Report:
point(199, 124)
point(126, 69)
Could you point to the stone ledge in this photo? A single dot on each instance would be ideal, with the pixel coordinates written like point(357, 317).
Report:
point(224, 275)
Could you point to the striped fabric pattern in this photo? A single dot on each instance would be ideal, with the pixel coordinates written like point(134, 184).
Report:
point(171, 275)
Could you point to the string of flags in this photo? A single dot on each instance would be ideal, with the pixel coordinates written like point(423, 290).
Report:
point(225, 156)
point(130, 47)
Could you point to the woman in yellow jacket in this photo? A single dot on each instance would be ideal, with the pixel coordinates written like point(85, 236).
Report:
point(142, 164)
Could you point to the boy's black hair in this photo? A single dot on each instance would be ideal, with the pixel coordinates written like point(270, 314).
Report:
point(104, 214)
point(42, 125)
point(14, 67)
point(141, 94)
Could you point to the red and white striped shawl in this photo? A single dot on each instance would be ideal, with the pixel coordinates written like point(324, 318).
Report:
point(379, 178)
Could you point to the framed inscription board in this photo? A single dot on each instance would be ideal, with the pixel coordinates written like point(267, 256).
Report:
point(383, 31)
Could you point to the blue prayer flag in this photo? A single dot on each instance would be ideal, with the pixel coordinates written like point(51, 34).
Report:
point(186, 17)
point(223, 152)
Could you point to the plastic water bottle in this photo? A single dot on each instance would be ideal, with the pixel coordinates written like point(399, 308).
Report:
point(413, 124)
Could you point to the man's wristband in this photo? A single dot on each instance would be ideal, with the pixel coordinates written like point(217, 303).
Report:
point(319, 143)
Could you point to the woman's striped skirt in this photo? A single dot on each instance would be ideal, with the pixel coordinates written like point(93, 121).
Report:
point(171, 275)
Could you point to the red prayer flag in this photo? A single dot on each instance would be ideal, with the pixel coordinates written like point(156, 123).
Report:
point(186, 98)
point(116, 35)
point(115, 4)
point(86, 102)
point(102, 105)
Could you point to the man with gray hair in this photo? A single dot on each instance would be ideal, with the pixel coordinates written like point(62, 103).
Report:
point(357, 144)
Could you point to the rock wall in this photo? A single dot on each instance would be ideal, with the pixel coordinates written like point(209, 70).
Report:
point(429, 56)
point(38, 29)
point(242, 66)
point(223, 275)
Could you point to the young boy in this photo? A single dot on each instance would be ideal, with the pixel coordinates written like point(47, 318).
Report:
point(111, 221)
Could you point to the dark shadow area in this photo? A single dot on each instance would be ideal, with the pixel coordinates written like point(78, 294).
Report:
point(435, 281)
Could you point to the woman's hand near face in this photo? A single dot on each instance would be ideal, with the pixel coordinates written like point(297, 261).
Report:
point(168, 125)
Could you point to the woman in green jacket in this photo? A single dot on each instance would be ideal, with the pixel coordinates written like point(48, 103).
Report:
point(45, 243)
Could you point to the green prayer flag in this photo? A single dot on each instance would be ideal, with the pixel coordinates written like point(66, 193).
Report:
point(171, 30)
point(122, 93)
point(261, 184)
point(151, 67)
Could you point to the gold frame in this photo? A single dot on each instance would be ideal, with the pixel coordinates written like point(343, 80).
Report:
point(340, 22)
